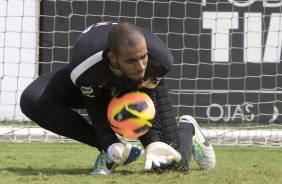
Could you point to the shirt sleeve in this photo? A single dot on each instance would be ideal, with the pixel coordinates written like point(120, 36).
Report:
point(164, 127)
point(158, 52)
point(97, 113)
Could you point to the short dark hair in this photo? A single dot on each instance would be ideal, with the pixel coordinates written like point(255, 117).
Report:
point(123, 34)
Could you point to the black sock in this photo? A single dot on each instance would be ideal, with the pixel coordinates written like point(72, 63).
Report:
point(186, 132)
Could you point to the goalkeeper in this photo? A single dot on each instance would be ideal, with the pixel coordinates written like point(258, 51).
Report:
point(110, 58)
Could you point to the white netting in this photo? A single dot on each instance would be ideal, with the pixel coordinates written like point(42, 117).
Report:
point(227, 70)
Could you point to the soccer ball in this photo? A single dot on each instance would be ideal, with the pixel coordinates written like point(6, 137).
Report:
point(129, 115)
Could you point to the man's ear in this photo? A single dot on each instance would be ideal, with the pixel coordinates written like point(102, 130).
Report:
point(113, 59)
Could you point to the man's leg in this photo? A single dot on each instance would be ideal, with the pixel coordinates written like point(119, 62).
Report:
point(48, 101)
point(186, 132)
point(202, 150)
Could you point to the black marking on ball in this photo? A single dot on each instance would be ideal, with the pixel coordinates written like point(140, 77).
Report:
point(124, 114)
point(138, 106)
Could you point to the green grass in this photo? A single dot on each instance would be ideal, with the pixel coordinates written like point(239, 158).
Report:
point(70, 163)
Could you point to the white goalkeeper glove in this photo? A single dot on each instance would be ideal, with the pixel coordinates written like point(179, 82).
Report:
point(160, 154)
point(124, 154)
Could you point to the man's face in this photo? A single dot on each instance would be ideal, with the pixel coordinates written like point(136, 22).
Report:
point(132, 61)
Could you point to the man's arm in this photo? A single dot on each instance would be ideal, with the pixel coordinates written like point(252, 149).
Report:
point(162, 141)
point(97, 113)
point(167, 116)
point(164, 124)
point(160, 62)
point(158, 52)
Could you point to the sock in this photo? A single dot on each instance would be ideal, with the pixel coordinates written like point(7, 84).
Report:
point(186, 132)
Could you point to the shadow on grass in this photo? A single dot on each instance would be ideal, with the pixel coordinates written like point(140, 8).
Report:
point(48, 171)
point(75, 171)
point(149, 172)
point(59, 171)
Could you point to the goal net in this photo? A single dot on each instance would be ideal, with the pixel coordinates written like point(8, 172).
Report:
point(227, 71)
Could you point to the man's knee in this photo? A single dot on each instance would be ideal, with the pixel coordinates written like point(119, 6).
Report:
point(31, 102)
point(28, 103)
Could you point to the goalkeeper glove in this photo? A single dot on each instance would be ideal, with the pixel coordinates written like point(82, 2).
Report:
point(124, 154)
point(159, 155)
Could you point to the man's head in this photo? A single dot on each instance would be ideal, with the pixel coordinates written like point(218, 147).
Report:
point(128, 50)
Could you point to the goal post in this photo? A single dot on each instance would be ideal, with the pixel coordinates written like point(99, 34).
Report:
point(227, 69)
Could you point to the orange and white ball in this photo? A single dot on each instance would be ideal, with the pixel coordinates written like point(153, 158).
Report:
point(129, 115)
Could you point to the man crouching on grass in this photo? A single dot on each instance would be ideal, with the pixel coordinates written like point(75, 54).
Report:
point(110, 58)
